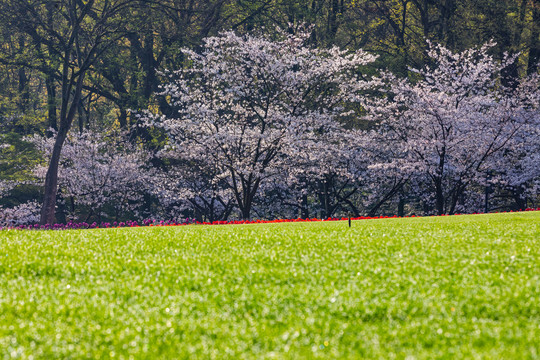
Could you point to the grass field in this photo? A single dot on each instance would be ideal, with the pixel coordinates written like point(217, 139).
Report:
point(418, 288)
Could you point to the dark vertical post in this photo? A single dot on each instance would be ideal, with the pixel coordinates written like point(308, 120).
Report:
point(487, 191)
point(486, 200)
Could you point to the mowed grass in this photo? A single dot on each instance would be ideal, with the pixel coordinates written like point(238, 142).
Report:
point(418, 288)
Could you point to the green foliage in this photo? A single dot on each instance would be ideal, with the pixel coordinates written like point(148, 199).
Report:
point(428, 288)
point(18, 158)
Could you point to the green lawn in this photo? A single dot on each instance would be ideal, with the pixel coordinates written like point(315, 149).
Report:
point(418, 288)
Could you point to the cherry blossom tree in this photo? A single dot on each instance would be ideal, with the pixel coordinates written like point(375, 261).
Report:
point(5, 187)
point(99, 171)
point(247, 103)
point(22, 214)
point(516, 170)
point(452, 119)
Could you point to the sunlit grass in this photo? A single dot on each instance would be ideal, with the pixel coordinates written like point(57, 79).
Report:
point(451, 287)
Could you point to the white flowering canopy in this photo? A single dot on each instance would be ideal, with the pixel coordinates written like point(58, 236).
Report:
point(453, 119)
point(246, 105)
point(98, 169)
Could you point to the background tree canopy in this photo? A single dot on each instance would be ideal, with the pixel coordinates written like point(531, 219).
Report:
point(72, 66)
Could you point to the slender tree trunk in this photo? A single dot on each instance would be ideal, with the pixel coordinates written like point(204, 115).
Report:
point(486, 199)
point(149, 67)
point(66, 119)
point(402, 44)
point(325, 185)
point(51, 180)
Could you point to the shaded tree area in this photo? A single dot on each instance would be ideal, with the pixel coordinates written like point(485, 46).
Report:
point(74, 66)
point(124, 71)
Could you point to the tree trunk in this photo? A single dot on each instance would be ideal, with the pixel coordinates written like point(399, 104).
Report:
point(246, 212)
point(459, 190)
point(245, 193)
point(122, 118)
point(51, 180)
point(395, 189)
point(439, 198)
point(248, 195)
point(66, 119)
point(401, 207)
point(304, 207)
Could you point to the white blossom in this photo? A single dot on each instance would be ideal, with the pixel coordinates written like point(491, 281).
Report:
point(98, 169)
point(23, 214)
point(249, 107)
point(452, 120)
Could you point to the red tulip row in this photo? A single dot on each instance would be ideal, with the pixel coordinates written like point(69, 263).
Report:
point(240, 222)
